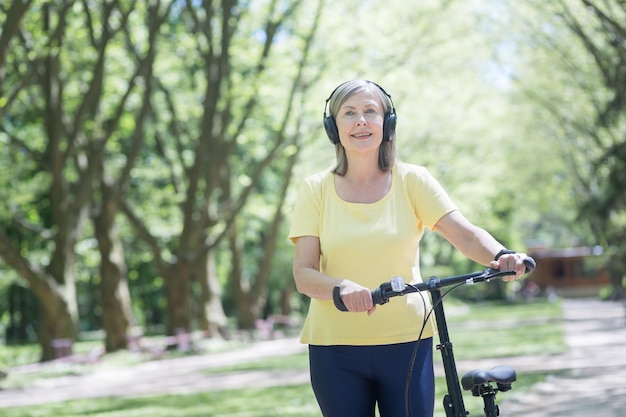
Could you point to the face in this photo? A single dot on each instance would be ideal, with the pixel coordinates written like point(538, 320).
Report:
point(360, 122)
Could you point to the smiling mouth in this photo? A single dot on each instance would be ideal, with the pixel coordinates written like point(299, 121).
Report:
point(362, 135)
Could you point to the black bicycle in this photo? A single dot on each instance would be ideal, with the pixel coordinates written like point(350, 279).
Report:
point(481, 383)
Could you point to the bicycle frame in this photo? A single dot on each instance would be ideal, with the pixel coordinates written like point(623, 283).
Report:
point(453, 402)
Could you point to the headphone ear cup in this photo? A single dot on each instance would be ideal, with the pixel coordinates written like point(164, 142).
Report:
point(389, 126)
point(331, 129)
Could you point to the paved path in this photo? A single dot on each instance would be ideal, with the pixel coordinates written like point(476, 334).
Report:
point(592, 381)
point(171, 376)
point(594, 384)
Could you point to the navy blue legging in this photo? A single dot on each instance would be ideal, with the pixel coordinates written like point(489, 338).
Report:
point(348, 381)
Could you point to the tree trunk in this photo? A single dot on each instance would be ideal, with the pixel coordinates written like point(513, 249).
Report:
point(56, 322)
point(177, 286)
point(57, 304)
point(114, 293)
point(211, 316)
point(285, 299)
point(247, 308)
point(56, 292)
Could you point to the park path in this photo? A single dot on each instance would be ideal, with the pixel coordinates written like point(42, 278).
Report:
point(594, 384)
point(591, 381)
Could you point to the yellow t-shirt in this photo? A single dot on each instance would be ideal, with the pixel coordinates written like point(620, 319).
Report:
point(369, 244)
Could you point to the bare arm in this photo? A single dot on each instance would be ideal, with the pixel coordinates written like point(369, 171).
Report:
point(477, 244)
point(310, 281)
point(472, 241)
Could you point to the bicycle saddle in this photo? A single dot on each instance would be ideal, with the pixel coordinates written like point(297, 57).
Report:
point(503, 375)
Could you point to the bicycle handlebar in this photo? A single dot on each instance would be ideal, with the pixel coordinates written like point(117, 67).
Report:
point(396, 286)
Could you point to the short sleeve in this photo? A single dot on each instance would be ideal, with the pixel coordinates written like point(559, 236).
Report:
point(430, 201)
point(305, 220)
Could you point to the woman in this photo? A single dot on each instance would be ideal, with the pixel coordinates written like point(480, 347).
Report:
point(360, 224)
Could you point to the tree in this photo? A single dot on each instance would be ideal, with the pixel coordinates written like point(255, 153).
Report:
point(604, 39)
point(587, 110)
point(67, 179)
point(62, 77)
point(115, 296)
point(251, 293)
point(205, 118)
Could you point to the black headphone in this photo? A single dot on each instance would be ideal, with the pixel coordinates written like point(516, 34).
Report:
point(389, 123)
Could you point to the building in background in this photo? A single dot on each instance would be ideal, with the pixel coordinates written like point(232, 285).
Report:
point(570, 272)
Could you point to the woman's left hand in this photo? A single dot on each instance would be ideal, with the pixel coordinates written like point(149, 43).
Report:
point(511, 262)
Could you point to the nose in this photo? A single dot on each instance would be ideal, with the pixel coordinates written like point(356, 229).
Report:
point(361, 120)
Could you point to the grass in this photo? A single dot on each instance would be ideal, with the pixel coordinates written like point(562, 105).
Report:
point(11, 356)
point(477, 331)
point(288, 401)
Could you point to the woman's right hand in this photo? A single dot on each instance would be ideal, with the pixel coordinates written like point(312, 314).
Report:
point(356, 297)
point(311, 282)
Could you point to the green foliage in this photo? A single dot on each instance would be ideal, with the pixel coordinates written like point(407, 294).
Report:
point(572, 75)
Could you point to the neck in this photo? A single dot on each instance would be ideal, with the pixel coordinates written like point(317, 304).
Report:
point(364, 168)
point(363, 183)
point(360, 170)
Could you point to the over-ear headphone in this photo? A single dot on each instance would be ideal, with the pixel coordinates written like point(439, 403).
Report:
point(389, 123)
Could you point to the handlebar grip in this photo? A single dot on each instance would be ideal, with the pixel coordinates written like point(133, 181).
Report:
point(530, 264)
point(377, 298)
point(337, 299)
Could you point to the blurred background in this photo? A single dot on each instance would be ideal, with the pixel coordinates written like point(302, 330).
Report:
point(151, 151)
